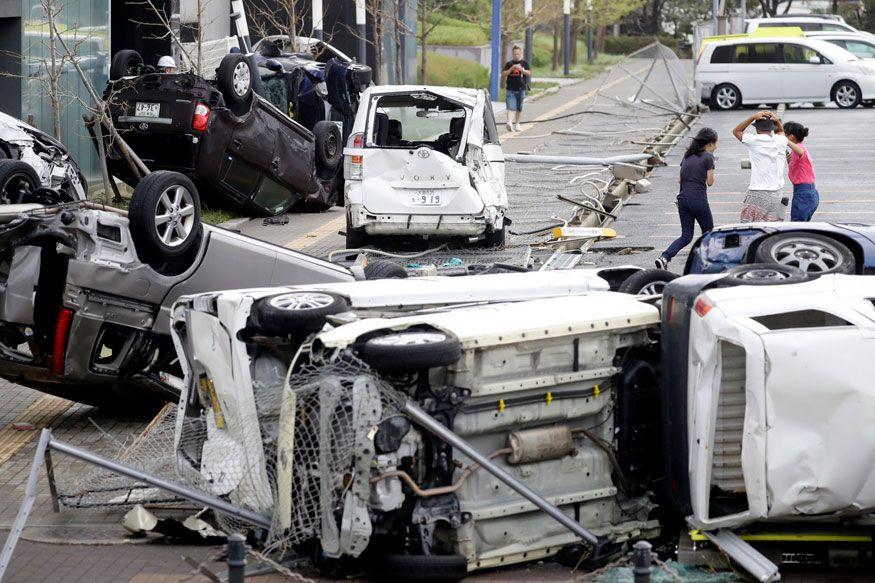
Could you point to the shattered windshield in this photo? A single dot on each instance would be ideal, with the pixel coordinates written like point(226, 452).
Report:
point(422, 119)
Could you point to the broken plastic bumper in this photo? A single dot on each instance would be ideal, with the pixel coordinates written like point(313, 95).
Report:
point(425, 224)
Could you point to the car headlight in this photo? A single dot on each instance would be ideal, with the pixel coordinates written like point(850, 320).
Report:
point(866, 70)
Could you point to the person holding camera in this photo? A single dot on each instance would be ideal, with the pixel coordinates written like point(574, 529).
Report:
point(516, 74)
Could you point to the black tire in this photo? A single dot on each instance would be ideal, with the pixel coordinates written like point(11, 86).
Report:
point(809, 252)
point(763, 274)
point(18, 180)
point(647, 281)
point(296, 312)
point(495, 238)
point(421, 568)
point(383, 269)
point(150, 200)
point(846, 94)
point(329, 146)
point(411, 350)
point(868, 104)
point(124, 64)
point(234, 78)
point(356, 238)
point(725, 96)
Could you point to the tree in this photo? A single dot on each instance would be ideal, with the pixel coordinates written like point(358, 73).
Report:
point(770, 7)
point(427, 23)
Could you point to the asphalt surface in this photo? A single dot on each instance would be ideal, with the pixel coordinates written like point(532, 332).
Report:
point(96, 548)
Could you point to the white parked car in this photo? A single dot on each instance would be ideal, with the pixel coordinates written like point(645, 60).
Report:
point(424, 161)
point(806, 23)
point(860, 45)
point(735, 72)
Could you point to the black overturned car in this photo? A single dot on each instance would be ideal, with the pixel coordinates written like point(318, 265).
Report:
point(239, 149)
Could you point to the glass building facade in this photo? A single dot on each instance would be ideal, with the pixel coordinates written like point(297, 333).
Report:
point(84, 26)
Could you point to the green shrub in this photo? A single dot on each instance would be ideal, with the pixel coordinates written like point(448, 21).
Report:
point(455, 72)
point(455, 32)
point(626, 44)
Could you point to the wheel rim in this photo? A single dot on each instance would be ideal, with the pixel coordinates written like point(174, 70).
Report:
point(846, 95)
point(175, 216)
point(653, 289)
point(302, 301)
point(726, 98)
point(331, 145)
point(241, 78)
point(764, 273)
point(15, 188)
point(809, 255)
point(409, 339)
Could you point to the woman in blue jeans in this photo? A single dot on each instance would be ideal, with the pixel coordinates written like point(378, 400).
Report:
point(697, 174)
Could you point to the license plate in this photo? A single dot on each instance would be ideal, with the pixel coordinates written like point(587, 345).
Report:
point(425, 198)
point(147, 109)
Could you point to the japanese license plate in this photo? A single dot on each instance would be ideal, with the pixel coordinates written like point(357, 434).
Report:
point(147, 109)
point(425, 198)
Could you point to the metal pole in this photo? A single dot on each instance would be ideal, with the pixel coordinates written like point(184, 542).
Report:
point(743, 16)
point(537, 159)
point(566, 36)
point(361, 30)
point(527, 8)
point(432, 425)
point(495, 73)
point(715, 8)
point(178, 489)
point(237, 558)
point(589, 32)
point(641, 561)
point(316, 8)
point(402, 16)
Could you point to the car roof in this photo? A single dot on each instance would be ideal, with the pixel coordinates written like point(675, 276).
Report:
point(801, 18)
point(838, 35)
point(461, 94)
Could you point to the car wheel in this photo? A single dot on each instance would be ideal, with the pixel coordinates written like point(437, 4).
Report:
point(764, 274)
point(165, 214)
point(421, 567)
point(846, 94)
point(495, 238)
point(868, 104)
point(234, 78)
point(125, 63)
point(382, 269)
point(329, 148)
point(411, 350)
point(18, 180)
point(811, 253)
point(725, 97)
point(648, 282)
point(296, 312)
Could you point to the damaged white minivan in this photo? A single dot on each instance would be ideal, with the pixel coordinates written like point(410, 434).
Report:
point(424, 161)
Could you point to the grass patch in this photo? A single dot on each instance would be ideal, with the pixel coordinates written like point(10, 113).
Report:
point(209, 215)
point(454, 32)
point(455, 72)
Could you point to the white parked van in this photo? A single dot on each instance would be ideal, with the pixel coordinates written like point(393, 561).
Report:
point(827, 23)
point(740, 71)
point(424, 161)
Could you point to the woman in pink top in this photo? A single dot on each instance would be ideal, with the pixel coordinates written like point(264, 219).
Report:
point(801, 171)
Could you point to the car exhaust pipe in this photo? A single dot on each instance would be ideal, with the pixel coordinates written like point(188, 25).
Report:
point(432, 425)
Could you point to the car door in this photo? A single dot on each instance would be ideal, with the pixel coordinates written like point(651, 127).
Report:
point(803, 73)
point(755, 69)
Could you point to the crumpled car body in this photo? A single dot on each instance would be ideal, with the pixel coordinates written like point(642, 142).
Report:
point(541, 363)
point(82, 317)
point(775, 385)
point(253, 157)
point(48, 157)
point(425, 161)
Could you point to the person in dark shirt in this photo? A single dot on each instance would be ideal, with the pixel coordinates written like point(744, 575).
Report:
point(697, 174)
point(515, 74)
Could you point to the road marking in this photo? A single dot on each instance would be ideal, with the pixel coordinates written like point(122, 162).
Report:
point(568, 105)
point(318, 234)
point(817, 213)
point(41, 413)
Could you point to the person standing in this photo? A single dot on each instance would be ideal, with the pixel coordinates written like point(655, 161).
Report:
point(765, 200)
point(801, 173)
point(516, 74)
point(697, 174)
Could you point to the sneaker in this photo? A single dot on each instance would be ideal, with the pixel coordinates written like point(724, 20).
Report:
point(509, 126)
point(661, 263)
point(517, 128)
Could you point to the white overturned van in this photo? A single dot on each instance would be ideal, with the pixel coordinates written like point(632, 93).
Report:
point(755, 70)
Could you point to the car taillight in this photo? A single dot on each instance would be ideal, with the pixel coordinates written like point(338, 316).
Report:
point(201, 117)
point(353, 171)
point(59, 344)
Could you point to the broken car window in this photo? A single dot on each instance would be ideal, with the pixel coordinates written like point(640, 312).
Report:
point(404, 121)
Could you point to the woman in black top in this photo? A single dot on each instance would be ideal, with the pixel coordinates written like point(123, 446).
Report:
point(697, 174)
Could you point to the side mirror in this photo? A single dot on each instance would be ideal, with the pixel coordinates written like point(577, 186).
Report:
point(814, 60)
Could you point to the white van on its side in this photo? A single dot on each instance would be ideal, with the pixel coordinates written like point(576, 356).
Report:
point(754, 70)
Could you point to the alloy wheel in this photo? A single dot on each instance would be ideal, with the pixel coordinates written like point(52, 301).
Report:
point(241, 78)
point(846, 95)
point(302, 301)
point(807, 254)
point(175, 215)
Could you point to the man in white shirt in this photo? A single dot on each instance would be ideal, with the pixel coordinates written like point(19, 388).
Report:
point(765, 200)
